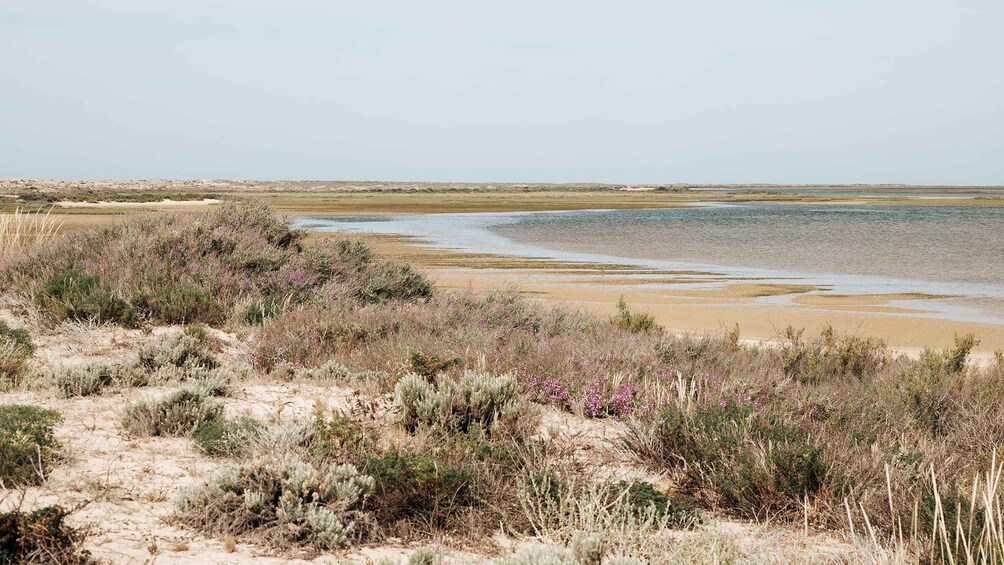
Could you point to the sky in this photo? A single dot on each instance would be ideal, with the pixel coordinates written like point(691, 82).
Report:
point(716, 91)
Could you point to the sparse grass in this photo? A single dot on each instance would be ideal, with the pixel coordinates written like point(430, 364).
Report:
point(28, 446)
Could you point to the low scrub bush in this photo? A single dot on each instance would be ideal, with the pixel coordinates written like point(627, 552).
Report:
point(219, 437)
point(180, 304)
point(191, 348)
point(625, 319)
point(339, 438)
point(281, 501)
point(15, 349)
point(740, 460)
point(180, 414)
point(428, 365)
point(477, 402)
point(71, 294)
point(414, 486)
point(88, 380)
point(28, 446)
point(831, 357)
point(40, 536)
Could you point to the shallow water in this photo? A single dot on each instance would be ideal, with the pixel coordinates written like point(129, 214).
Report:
point(946, 250)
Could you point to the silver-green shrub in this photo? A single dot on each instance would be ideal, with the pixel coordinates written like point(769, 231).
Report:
point(280, 499)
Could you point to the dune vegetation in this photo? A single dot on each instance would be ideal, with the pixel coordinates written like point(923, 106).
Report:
point(467, 418)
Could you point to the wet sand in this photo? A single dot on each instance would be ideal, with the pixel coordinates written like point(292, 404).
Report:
point(750, 305)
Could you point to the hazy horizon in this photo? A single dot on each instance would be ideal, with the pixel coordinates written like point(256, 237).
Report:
point(732, 92)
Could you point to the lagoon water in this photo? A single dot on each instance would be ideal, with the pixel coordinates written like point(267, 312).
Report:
point(944, 250)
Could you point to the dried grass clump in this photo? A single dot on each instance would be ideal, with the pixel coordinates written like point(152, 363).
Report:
point(478, 401)
point(280, 501)
point(180, 414)
point(89, 380)
point(595, 519)
point(40, 536)
point(20, 230)
point(28, 446)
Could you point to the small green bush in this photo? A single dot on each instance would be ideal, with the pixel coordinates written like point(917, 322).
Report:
point(28, 446)
point(180, 304)
point(40, 536)
point(17, 336)
point(429, 365)
point(281, 500)
point(15, 349)
point(831, 357)
point(222, 437)
point(259, 312)
point(73, 295)
point(742, 460)
point(631, 321)
point(394, 281)
point(338, 439)
point(413, 485)
point(645, 498)
point(479, 402)
point(180, 414)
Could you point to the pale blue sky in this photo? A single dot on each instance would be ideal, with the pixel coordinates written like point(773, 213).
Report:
point(690, 91)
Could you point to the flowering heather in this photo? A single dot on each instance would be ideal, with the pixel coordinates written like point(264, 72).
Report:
point(199, 267)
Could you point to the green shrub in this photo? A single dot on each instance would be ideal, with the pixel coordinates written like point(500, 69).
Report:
point(223, 437)
point(832, 356)
point(645, 498)
point(28, 446)
point(73, 295)
point(394, 281)
point(180, 414)
point(261, 311)
point(742, 460)
point(429, 365)
point(20, 338)
point(409, 485)
point(40, 536)
point(280, 500)
point(339, 439)
point(15, 349)
point(486, 403)
point(631, 321)
point(180, 304)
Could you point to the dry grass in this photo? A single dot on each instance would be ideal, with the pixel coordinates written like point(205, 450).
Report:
point(20, 229)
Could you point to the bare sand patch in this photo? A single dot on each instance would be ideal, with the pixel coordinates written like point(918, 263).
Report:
point(157, 205)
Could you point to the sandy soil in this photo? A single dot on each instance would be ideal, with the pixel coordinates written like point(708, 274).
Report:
point(166, 204)
point(122, 489)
